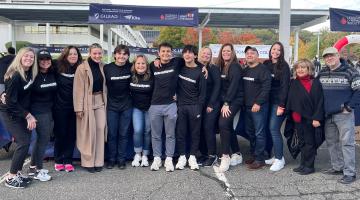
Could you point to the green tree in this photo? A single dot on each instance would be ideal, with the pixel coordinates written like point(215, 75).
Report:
point(267, 36)
point(172, 35)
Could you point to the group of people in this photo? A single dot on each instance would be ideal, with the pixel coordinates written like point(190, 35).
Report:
point(92, 105)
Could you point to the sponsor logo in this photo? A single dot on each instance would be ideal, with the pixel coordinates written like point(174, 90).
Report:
point(248, 78)
point(139, 85)
point(68, 75)
point(131, 17)
point(223, 76)
point(48, 85)
point(105, 16)
point(343, 20)
point(163, 72)
point(187, 79)
point(198, 116)
point(28, 85)
point(119, 77)
point(96, 15)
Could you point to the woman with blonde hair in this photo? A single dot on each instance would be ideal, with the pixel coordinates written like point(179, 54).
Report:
point(15, 113)
point(306, 105)
point(89, 104)
point(141, 88)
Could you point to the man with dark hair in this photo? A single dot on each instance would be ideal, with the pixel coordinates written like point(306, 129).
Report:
point(341, 87)
point(4, 64)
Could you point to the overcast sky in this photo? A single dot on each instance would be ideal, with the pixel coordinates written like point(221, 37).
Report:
point(295, 4)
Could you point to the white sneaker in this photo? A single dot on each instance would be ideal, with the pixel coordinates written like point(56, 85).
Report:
point(270, 161)
point(156, 164)
point(277, 165)
point(193, 163)
point(181, 162)
point(42, 175)
point(169, 166)
point(136, 161)
point(225, 163)
point(144, 161)
point(236, 159)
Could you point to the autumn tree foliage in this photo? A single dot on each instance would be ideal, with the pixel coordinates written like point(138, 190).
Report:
point(192, 36)
point(243, 38)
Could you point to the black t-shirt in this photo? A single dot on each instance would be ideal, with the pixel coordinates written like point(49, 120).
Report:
point(191, 89)
point(97, 76)
point(118, 85)
point(18, 92)
point(165, 81)
point(232, 85)
point(64, 95)
point(257, 85)
point(141, 92)
point(43, 93)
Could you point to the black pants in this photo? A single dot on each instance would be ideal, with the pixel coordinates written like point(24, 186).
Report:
point(18, 129)
point(208, 131)
point(188, 121)
point(306, 134)
point(227, 134)
point(44, 128)
point(65, 136)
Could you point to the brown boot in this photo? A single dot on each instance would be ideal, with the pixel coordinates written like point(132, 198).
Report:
point(256, 165)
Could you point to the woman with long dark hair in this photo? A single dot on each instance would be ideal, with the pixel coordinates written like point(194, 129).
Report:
point(280, 72)
point(64, 115)
point(231, 100)
point(15, 113)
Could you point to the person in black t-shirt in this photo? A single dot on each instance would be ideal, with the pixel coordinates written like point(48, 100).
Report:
point(141, 87)
point(15, 113)
point(191, 92)
point(42, 99)
point(64, 115)
point(119, 106)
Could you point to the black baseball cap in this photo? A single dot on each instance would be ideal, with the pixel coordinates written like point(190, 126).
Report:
point(43, 53)
point(252, 48)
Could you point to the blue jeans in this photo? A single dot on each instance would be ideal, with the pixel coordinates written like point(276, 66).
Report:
point(275, 123)
point(142, 137)
point(256, 130)
point(118, 129)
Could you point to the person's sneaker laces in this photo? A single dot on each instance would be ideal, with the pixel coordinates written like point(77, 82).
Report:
point(32, 171)
point(277, 165)
point(156, 164)
point(144, 161)
point(68, 168)
point(169, 166)
point(181, 162)
point(136, 161)
point(42, 176)
point(270, 161)
point(15, 182)
point(59, 167)
point(210, 161)
point(236, 159)
point(193, 163)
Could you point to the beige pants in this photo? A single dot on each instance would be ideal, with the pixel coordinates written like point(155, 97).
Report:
point(97, 158)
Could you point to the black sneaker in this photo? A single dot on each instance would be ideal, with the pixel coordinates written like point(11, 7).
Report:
point(25, 179)
point(122, 165)
point(15, 182)
point(298, 169)
point(90, 169)
point(110, 164)
point(307, 171)
point(212, 159)
point(332, 171)
point(98, 169)
point(32, 171)
point(347, 179)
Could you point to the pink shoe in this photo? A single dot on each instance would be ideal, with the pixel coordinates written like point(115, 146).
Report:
point(69, 168)
point(59, 167)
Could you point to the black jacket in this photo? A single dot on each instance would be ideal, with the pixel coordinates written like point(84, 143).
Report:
point(4, 64)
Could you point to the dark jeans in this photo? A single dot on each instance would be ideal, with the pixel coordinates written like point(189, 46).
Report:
point(65, 136)
point(274, 126)
point(208, 131)
point(17, 127)
point(44, 128)
point(306, 134)
point(256, 129)
point(227, 135)
point(188, 121)
point(118, 128)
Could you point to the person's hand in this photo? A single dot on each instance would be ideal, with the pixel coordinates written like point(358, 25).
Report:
point(80, 114)
point(205, 72)
point(255, 108)
point(3, 98)
point(280, 111)
point(157, 63)
point(225, 111)
point(174, 97)
point(209, 109)
point(31, 122)
point(316, 123)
